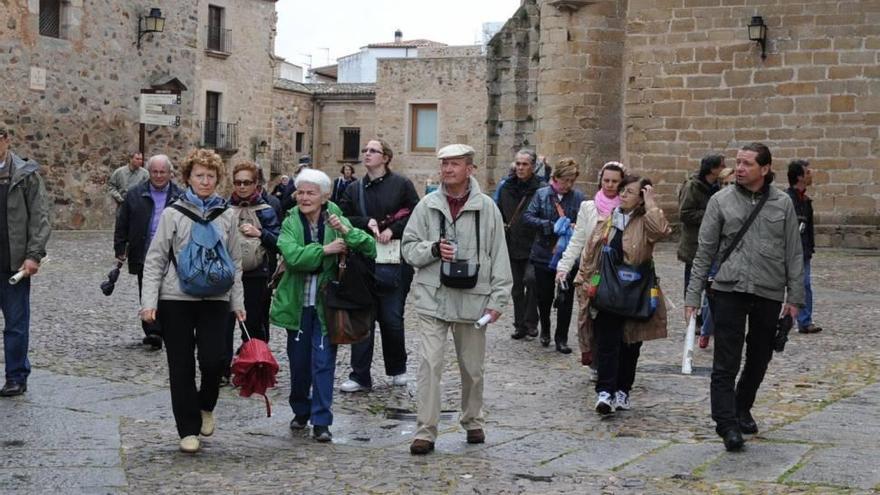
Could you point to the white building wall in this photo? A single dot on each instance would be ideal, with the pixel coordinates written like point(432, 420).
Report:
point(361, 67)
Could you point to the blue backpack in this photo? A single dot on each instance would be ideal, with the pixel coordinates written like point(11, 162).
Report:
point(205, 267)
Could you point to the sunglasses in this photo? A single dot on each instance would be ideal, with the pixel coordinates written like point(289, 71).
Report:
point(372, 150)
point(238, 183)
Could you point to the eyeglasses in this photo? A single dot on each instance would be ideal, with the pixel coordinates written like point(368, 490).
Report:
point(239, 183)
point(372, 150)
point(523, 163)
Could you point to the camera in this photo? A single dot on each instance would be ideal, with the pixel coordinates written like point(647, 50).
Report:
point(783, 326)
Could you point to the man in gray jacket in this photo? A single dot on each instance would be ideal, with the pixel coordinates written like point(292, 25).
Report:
point(127, 177)
point(457, 223)
point(24, 233)
point(751, 284)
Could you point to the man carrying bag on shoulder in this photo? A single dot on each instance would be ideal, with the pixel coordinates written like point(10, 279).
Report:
point(753, 229)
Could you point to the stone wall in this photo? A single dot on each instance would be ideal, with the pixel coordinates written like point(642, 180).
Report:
point(331, 116)
point(695, 83)
point(85, 122)
point(292, 112)
point(513, 59)
point(244, 76)
point(579, 90)
point(458, 87)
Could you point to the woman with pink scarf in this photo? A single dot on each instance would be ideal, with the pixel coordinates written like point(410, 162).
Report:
point(591, 213)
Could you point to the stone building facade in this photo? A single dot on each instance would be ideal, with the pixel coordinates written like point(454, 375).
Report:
point(659, 83)
point(71, 95)
point(454, 87)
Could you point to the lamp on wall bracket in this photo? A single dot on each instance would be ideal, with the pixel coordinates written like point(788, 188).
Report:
point(261, 147)
point(758, 32)
point(150, 23)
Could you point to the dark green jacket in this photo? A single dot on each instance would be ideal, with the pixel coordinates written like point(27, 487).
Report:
point(302, 259)
point(27, 214)
point(692, 201)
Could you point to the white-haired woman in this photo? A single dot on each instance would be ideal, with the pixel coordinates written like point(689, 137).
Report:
point(312, 236)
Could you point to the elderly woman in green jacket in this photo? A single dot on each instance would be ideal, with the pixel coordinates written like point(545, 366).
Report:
point(312, 236)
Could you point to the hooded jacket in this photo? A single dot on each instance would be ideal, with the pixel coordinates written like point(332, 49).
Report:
point(27, 214)
point(494, 281)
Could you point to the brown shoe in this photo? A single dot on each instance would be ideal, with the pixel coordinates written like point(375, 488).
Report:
point(476, 436)
point(810, 329)
point(421, 447)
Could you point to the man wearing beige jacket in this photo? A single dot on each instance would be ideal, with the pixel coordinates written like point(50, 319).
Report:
point(455, 238)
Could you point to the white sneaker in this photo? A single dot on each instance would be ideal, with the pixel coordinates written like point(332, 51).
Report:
point(604, 403)
point(351, 386)
point(207, 423)
point(190, 444)
point(621, 400)
point(399, 380)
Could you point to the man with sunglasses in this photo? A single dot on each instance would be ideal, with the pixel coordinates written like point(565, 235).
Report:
point(24, 233)
point(136, 222)
point(383, 210)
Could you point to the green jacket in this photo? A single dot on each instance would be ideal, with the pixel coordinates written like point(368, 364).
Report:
point(27, 214)
point(300, 260)
point(692, 201)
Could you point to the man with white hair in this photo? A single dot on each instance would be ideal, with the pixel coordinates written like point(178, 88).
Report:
point(136, 222)
point(455, 237)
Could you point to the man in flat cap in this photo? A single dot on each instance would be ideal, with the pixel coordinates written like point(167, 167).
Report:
point(455, 237)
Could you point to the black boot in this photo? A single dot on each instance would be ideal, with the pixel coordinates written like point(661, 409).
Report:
point(518, 334)
point(545, 338)
point(563, 348)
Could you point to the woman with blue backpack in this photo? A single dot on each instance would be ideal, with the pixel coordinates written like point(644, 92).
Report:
point(192, 281)
point(313, 236)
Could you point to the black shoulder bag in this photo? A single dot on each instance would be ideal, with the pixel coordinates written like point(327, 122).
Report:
point(624, 290)
point(460, 274)
point(739, 235)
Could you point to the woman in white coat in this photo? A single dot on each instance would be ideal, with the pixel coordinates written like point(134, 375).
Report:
point(591, 213)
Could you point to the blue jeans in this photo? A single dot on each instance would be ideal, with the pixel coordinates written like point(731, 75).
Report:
point(389, 309)
point(805, 315)
point(15, 302)
point(312, 368)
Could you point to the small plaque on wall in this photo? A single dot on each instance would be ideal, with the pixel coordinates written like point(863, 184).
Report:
point(38, 79)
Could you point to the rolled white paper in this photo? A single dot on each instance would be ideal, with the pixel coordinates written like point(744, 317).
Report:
point(482, 322)
point(17, 277)
point(687, 358)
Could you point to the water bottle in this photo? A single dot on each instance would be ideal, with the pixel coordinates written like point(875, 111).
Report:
point(594, 285)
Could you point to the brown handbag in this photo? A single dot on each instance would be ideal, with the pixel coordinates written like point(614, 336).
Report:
point(348, 319)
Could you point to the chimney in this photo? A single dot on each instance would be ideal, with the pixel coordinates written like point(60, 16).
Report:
point(398, 36)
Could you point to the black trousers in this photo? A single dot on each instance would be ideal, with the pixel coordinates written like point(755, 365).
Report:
point(730, 310)
point(616, 360)
point(255, 295)
point(149, 328)
point(545, 288)
point(192, 326)
point(525, 304)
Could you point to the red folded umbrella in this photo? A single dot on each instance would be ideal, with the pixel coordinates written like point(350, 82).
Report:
point(254, 369)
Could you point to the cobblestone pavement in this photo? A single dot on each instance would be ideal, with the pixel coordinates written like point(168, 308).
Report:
point(97, 415)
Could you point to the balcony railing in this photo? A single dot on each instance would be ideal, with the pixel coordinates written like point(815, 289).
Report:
point(220, 136)
point(218, 39)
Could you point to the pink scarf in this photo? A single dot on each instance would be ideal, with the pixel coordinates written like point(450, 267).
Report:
point(604, 204)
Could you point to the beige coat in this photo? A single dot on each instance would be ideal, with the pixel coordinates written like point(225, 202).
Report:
point(639, 238)
point(494, 282)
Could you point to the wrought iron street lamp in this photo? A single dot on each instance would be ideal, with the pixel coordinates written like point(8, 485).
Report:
point(758, 32)
point(150, 23)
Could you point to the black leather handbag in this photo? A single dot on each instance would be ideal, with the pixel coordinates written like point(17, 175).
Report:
point(460, 274)
point(624, 290)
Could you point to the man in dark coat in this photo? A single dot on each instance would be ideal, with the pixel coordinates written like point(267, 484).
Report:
point(799, 177)
point(692, 201)
point(514, 197)
point(136, 222)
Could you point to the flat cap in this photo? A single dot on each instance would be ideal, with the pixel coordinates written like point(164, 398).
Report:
point(454, 151)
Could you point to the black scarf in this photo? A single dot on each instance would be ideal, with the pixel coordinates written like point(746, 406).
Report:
point(307, 231)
